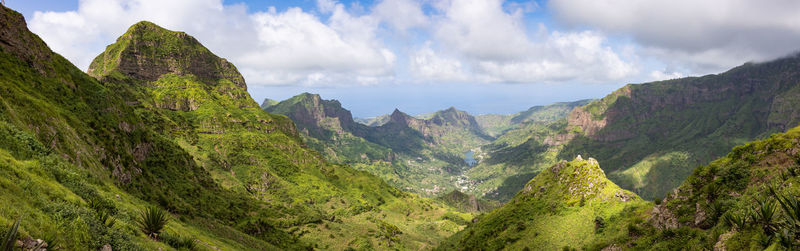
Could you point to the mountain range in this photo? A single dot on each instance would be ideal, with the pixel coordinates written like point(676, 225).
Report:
point(161, 127)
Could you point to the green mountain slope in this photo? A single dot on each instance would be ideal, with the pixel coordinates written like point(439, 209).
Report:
point(571, 204)
point(652, 135)
point(529, 143)
point(172, 125)
point(74, 151)
point(744, 200)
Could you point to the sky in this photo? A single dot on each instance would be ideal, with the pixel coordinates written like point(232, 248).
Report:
point(482, 56)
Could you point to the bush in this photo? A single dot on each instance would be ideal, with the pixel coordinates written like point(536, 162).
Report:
point(179, 242)
point(152, 221)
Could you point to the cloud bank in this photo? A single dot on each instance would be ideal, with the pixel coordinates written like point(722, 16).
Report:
point(452, 41)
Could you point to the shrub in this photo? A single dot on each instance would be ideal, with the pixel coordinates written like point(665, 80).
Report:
point(179, 242)
point(152, 221)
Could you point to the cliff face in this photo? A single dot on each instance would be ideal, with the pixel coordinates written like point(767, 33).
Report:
point(701, 118)
point(147, 52)
point(318, 117)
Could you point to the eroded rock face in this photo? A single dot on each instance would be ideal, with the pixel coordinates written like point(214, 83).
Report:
point(662, 218)
point(147, 52)
point(585, 120)
point(18, 41)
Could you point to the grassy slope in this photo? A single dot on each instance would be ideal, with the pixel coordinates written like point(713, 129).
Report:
point(521, 151)
point(694, 215)
point(70, 142)
point(558, 208)
point(251, 152)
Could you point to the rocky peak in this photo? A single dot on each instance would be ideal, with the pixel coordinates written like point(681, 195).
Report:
point(17, 40)
point(147, 51)
point(399, 117)
point(576, 180)
point(311, 112)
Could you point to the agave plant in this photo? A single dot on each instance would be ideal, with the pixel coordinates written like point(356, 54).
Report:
point(766, 215)
point(152, 221)
point(736, 220)
point(10, 237)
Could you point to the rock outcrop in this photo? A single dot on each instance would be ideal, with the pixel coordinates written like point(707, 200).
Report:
point(147, 52)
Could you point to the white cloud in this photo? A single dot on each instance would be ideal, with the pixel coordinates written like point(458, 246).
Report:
point(497, 44)
point(426, 64)
point(468, 41)
point(663, 75)
point(401, 14)
point(706, 36)
point(290, 47)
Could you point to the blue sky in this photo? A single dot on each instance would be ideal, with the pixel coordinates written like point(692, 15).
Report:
point(482, 56)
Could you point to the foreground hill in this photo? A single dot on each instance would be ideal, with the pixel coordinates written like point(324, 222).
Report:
point(571, 204)
point(171, 125)
point(747, 200)
point(744, 200)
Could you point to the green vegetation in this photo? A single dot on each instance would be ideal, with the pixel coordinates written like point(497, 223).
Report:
point(152, 221)
point(663, 130)
point(745, 200)
point(10, 237)
point(571, 204)
point(422, 156)
point(175, 130)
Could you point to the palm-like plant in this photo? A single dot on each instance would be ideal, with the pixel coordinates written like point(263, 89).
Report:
point(152, 221)
point(10, 237)
point(766, 215)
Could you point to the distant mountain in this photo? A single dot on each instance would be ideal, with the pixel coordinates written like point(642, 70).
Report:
point(420, 155)
point(650, 136)
point(268, 102)
point(373, 121)
point(496, 124)
point(653, 135)
point(569, 205)
point(331, 130)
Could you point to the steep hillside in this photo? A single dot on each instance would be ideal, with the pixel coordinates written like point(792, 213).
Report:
point(467, 202)
point(529, 143)
point(569, 205)
point(330, 129)
point(744, 200)
point(652, 135)
point(74, 152)
point(251, 152)
point(171, 125)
